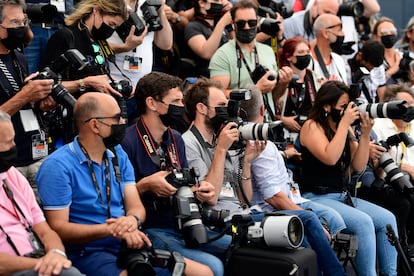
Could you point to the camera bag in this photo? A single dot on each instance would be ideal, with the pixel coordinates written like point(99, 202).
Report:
point(263, 261)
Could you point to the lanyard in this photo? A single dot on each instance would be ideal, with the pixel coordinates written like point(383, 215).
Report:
point(240, 57)
point(157, 155)
point(95, 182)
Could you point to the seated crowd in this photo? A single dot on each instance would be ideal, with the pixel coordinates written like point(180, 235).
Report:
point(139, 105)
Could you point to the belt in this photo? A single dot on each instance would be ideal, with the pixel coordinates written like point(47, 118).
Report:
point(45, 25)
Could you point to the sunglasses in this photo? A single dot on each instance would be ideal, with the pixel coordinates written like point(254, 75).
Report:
point(241, 23)
point(99, 59)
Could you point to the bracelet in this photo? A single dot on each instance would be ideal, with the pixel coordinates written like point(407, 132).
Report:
point(139, 222)
point(82, 87)
point(58, 251)
point(245, 178)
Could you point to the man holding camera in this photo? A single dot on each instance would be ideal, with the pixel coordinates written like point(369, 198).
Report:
point(157, 152)
point(208, 142)
point(21, 96)
point(87, 189)
point(243, 61)
point(27, 244)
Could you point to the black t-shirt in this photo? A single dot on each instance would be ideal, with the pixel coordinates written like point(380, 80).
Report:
point(74, 38)
point(17, 66)
point(198, 27)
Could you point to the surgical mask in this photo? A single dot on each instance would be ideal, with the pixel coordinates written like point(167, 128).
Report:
point(302, 61)
point(338, 43)
point(246, 35)
point(388, 40)
point(15, 38)
point(174, 118)
point(221, 117)
point(7, 159)
point(215, 10)
point(116, 136)
point(103, 33)
point(336, 115)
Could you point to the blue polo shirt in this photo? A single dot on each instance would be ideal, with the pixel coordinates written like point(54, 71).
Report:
point(64, 181)
point(157, 217)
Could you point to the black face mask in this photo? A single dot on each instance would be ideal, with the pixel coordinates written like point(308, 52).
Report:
point(221, 117)
point(116, 136)
point(388, 40)
point(174, 118)
point(246, 36)
point(336, 115)
point(338, 43)
point(103, 33)
point(215, 10)
point(302, 61)
point(15, 38)
point(7, 159)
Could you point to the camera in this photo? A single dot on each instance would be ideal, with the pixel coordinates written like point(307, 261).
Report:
point(265, 131)
point(213, 217)
point(398, 180)
point(279, 6)
point(59, 93)
point(125, 88)
point(351, 8)
point(275, 230)
point(183, 177)
point(259, 72)
point(269, 26)
point(133, 20)
point(149, 11)
point(393, 110)
point(141, 261)
point(188, 216)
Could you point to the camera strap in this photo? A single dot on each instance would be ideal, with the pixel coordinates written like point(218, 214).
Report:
point(95, 182)
point(321, 63)
point(240, 57)
point(14, 84)
point(23, 220)
point(151, 149)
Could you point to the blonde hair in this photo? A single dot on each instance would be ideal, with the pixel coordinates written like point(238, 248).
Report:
point(107, 7)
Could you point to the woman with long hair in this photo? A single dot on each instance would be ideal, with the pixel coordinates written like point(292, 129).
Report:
point(330, 153)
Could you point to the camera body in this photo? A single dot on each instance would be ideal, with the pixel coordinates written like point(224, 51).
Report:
point(59, 93)
point(149, 11)
point(133, 20)
point(285, 10)
point(213, 217)
point(141, 261)
point(351, 8)
point(269, 26)
point(398, 180)
point(183, 177)
point(259, 72)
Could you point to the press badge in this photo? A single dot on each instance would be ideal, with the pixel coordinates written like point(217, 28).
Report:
point(132, 63)
point(227, 191)
point(39, 145)
point(295, 193)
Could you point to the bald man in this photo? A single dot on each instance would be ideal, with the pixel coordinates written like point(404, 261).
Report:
point(329, 36)
point(301, 23)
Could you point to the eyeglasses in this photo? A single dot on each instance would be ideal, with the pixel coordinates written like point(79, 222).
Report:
point(241, 23)
point(15, 23)
point(99, 59)
point(336, 25)
point(116, 117)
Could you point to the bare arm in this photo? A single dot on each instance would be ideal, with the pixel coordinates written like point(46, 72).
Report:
point(281, 201)
point(164, 37)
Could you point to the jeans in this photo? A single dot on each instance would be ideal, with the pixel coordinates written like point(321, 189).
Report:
point(72, 271)
point(37, 48)
point(368, 222)
point(210, 254)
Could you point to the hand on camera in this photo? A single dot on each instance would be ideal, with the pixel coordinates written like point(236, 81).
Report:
point(285, 75)
point(205, 192)
point(351, 114)
point(36, 90)
point(158, 185)
point(264, 84)
point(291, 123)
point(366, 124)
point(227, 136)
point(132, 41)
point(101, 84)
point(136, 239)
point(47, 104)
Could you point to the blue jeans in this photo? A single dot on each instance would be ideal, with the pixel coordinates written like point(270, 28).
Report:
point(210, 254)
point(36, 50)
point(368, 222)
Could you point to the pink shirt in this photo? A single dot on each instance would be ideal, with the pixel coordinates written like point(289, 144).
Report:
point(25, 198)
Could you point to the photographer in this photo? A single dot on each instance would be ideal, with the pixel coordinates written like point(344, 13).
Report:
point(244, 61)
point(330, 152)
point(22, 221)
point(87, 189)
point(21, 96)
point(402, 155)
point(208, 147)
point(157, 152)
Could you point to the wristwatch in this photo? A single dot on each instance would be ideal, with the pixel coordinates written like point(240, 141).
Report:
point(82, 87)
point(139, 222)
point(177, 19)
point(58, 251)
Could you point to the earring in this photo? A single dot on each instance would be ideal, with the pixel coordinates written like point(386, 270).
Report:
point(326, 114)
